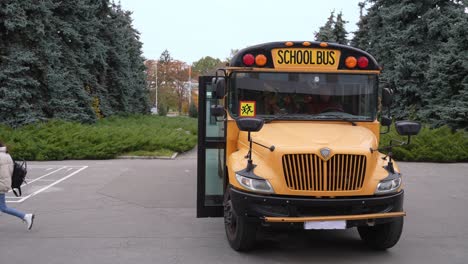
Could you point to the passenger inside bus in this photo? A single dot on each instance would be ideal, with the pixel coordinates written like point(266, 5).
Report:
point(285, 105)
point(309, 105)
point(289, 105)
point(326, 102)
point(271, 104)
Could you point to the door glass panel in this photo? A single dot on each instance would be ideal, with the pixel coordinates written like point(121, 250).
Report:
point(213, 127)
point(211, 149)
point(214, 176)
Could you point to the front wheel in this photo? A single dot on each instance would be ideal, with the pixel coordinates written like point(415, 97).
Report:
point(239, 231)
point(382, 236)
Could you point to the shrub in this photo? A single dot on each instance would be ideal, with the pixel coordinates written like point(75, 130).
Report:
point(108, 138)
point(434, 145)
point(162, 110)
point(193, 111)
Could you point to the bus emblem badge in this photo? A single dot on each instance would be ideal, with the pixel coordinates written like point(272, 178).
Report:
point(325, 152)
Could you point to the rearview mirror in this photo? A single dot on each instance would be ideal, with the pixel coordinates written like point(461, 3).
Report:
point(387, 97)
point(385, 121)
point(217, 110)
point(407, 128)
point(250, 124)
point(220, 87)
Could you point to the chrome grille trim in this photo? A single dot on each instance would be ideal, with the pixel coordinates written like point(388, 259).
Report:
point(308, 172)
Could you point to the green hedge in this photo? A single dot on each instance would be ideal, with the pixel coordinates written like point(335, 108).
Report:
point(108, 138)
point(434, 145)
point(111, 137)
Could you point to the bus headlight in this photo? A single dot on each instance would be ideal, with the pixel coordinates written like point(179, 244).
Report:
point(256, 185)
point(388, 186)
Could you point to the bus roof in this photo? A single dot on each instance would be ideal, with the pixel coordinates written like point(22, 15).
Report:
point(305, 56)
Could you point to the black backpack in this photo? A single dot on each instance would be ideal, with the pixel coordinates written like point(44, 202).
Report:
point(20, 170)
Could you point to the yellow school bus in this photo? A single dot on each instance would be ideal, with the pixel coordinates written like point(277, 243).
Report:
point(289, 135)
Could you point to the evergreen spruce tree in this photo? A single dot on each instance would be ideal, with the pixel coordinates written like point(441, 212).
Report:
point(422, 48)
point(361, 36)
point(22, 24)
point(126, 80)
point(339, 32)
point(64, 59)
point(446, 95)
point(76, 60)
point(333, 30)
point(325, 32)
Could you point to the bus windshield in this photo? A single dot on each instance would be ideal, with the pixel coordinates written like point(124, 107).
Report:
point(304, 96)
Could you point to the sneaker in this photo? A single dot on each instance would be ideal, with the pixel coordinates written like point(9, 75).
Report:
point(29, 219)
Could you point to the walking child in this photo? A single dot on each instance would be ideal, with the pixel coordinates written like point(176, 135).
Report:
point(6, 170)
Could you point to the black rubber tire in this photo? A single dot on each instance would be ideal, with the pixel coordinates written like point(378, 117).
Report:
point(382, 236)
point(240, 232)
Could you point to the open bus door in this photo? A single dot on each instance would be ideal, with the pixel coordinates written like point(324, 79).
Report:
point(211, 153)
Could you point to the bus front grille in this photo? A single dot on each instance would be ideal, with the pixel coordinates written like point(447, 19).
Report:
point(308, 172)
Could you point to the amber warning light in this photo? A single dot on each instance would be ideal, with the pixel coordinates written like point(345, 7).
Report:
point(351, 62)
point(259, 60)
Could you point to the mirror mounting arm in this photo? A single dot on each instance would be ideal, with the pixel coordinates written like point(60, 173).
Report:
point(271, 148)
point(386, 131)
point(389, 149)
point(250, 165)
point(390, 167)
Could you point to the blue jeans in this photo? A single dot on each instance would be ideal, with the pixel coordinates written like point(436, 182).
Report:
point(7, 210)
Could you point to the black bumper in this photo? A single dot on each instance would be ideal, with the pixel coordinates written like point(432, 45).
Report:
point(257, 206)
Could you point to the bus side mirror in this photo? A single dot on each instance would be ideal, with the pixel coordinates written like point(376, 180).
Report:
point(217, 110)
point(250, 124)
point(387, 97)
point(386, 122)
point(220, 87)
point(407, 128)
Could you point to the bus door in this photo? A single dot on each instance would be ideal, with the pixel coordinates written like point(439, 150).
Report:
point(211, 153)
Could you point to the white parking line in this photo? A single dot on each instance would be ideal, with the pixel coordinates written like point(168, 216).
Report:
point(48, 186)
point(51, 166)
point(38, 178)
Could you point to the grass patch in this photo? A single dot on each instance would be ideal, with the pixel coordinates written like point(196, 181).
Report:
point(106, 139)
point(431, 145)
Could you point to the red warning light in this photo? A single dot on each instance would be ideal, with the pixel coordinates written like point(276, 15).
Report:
point(248, 59)
point(363, 62)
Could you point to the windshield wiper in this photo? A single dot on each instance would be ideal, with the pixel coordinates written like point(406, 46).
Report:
point(341, 118)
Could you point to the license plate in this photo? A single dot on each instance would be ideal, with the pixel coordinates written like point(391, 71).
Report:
point(326, 225)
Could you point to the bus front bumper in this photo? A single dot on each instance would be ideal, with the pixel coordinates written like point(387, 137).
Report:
point(357, 211)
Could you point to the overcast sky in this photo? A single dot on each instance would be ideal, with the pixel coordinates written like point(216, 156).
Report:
point(190, 30)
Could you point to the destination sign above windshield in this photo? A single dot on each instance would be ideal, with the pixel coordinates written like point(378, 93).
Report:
point(306, 58)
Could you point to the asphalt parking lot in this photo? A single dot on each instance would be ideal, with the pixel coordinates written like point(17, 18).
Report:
point(143, 211)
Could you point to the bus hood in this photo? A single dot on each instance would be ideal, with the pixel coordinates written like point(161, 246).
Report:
point(307, 136)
